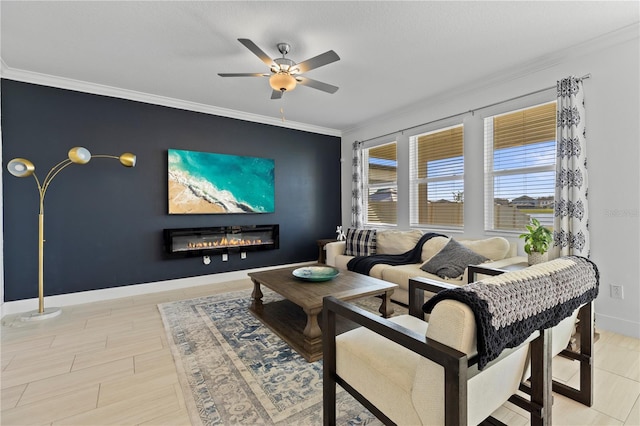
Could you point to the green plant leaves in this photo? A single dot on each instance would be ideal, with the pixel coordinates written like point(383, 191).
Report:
point(538, 238)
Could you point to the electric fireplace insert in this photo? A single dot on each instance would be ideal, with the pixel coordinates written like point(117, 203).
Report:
point(191, 242)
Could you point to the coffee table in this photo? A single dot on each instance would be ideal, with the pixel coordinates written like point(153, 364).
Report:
point(295, 319)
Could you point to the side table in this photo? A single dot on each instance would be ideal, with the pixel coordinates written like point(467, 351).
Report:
point(322, 256)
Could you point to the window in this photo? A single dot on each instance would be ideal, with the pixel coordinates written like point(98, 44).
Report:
point(520, 151)
point(381, 184)
point(437, 178)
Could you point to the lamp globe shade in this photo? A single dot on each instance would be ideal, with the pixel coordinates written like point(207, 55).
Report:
point(282, 81)
point(21, 167)
point(128, 159)
point(79, 155)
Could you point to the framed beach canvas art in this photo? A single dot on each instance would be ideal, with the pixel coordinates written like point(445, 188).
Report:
point(208, 183)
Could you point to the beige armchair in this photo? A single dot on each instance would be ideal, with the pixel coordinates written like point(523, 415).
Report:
point(579, 324)
point(407, 371)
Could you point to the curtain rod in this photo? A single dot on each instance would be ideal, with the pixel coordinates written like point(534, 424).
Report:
point(584, 77)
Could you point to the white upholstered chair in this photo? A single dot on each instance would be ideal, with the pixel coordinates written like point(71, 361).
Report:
point(407, 371)
point(427, 377)
point(579, 325)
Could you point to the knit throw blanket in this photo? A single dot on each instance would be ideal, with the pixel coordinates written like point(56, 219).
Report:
point(363, 264)
point(509, 307)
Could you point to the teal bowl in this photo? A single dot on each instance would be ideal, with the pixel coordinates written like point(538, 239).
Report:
point(316, 273)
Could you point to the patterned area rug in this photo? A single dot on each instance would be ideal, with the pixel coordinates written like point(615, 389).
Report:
point(234, 370)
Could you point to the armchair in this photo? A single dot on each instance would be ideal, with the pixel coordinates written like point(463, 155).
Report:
point(581, 321)
point(416, 379)
point(407, 371)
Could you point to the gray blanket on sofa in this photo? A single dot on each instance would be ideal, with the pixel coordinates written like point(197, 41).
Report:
point(363, 264)
point(508, 308)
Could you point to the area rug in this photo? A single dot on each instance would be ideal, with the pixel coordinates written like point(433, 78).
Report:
point(234, 370)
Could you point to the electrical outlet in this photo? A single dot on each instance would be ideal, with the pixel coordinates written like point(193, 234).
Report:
point(225, 257)
point(617, 292)
point(243, 255)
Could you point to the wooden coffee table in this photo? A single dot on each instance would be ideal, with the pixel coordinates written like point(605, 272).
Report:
point(295, 319)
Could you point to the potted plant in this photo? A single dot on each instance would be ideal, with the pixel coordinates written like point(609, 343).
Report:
point(537, 240)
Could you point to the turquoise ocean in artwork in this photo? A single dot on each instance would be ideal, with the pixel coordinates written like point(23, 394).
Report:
point(240, 184)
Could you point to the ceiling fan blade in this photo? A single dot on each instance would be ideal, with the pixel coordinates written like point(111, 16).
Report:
point(256, 51)
point(243, 74)
point(329, 88)
point(318, 61)
point(276, 94)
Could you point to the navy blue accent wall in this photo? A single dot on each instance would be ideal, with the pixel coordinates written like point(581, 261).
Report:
point(104, 222)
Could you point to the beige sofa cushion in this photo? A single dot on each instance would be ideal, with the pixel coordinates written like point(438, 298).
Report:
point(378, 270)
point(342, 260)
point(432, 246)
point(400, 275)
point(396, 242)
point(494, 248)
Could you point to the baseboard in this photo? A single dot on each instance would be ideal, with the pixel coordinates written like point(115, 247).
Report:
point(25, 305)
point(618, 325)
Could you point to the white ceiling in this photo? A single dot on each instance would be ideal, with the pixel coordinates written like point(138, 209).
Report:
point(393, 54)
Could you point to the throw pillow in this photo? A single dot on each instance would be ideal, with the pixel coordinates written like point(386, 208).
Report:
point(360, 242)
point(452, 260)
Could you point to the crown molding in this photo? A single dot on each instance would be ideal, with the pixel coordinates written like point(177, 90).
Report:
point(613, 38)
point(99, 89)
point(588, 47)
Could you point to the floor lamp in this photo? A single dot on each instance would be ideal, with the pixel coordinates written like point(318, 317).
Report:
point(21, 167)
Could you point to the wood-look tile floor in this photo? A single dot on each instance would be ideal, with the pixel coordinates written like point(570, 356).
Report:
point(108, 363)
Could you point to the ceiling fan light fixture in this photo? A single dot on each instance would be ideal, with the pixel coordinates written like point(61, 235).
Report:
point(282, 82)
point(285, 73)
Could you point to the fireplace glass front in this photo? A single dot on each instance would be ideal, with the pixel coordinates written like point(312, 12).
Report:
point(186, 242)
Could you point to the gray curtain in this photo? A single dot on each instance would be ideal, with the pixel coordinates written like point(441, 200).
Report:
point(571, 220)
point(357, 186)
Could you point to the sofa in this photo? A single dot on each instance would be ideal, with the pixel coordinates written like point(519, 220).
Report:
point(439, 258)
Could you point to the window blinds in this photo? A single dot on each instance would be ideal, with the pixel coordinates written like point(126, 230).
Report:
point(437, 178)
point(381, 182)
point(520, 167)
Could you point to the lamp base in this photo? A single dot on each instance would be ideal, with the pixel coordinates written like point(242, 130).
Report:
point(37, 316)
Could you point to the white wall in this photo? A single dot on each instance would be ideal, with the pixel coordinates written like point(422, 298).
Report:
point(612, 100)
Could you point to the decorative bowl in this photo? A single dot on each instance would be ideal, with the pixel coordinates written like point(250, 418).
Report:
point(316, 273)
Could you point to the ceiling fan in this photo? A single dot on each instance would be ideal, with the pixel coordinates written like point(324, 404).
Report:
point(285, 73)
